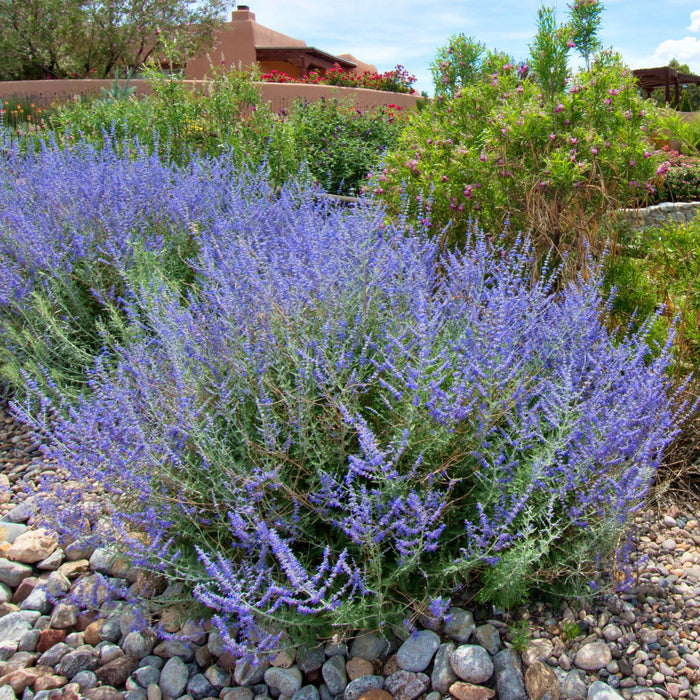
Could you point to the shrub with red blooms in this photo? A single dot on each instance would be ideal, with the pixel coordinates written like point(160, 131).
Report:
point(340, 422)
point(396, 80)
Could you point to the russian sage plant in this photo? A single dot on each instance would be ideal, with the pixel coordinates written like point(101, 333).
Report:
point(74, 225)
point(341, 423)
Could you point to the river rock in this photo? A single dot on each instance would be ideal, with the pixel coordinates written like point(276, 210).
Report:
point(13, 573)
point(459, 625)
point(32, 546)
point(472, 663)
point(593, 656)
point(334, 674)
point(510, 684)
point(363, 686)
point(405, 685)
point(370, 646)
point(602, 691)
point(284, 680)
point(541, 682)
point(443, 676)
point(116, 671)
point(469, 691)
point(173, 677)
point(416, 653)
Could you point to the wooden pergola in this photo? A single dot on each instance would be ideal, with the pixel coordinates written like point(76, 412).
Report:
point(649, 79)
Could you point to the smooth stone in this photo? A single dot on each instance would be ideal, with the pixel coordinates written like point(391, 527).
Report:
point(358, 667)
point(146, 675)
point(53, 655)
point(14, 626)
point(310, 658)
point(306, 692)
point(510, 684)
point(198, 687)
point(102, 561)
point(370, 646)
point(236, 694)
point(174, 647)
point(362, 686)
point(110, 630)
point(84, 658)
point(443, 676)
point(459, 625)
point(472, 663)
point(469, 691)
point(22, 512)
point(537, 650)
point(602, 691)
point(334, 674)
point(52, 562)
point(85, 679)
point(593, 656)
point(64, 616)
point(249, 673)
point(29, 640)
point(7, 692)
point(9, 532)
point(285, 680)
point(406, 685)
point(383, 695)
point(139, 644)
point(38, 599)
point(541, 683)
point(32, 546)
point(6, 593)
point(215, 643)
point(218, 677)
point(173, 677)
point(489, 638)
point(12, 573)
point(573, 685)
point(103, 693)
point(416, 653)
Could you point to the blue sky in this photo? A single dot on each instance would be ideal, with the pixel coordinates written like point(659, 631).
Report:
point(387, 32)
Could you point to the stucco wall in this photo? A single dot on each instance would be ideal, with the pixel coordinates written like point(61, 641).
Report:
point(280, 95)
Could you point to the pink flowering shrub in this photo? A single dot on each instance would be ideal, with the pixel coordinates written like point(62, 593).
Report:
point(500, 150)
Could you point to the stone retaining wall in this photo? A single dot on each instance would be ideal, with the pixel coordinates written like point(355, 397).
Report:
point(660, 214)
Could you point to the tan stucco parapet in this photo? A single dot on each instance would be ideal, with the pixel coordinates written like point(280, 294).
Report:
point(277, 95)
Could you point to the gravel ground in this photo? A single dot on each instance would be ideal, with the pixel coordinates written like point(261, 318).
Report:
point(642, 643)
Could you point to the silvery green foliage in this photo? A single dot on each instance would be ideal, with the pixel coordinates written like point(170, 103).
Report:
point(339, 419)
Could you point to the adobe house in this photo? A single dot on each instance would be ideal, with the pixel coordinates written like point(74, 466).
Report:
point(243, 41)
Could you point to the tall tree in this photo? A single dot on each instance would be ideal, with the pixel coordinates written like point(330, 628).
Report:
point(60, 38)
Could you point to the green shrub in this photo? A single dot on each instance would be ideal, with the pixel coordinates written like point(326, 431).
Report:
point(340, 144)
point(500, 150)
point(659, 269)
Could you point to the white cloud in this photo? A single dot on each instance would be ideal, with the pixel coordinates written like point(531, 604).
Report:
point(686, 50)
point(694, 21)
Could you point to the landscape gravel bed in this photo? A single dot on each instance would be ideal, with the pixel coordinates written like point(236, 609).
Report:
point(642, 643)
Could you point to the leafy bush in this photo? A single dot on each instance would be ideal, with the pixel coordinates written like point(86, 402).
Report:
point(176, 121)
point(500, 151)
point(681, 184)
point(660, 269)
point(341, 422)
point(329, 140)
point(338, 143)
